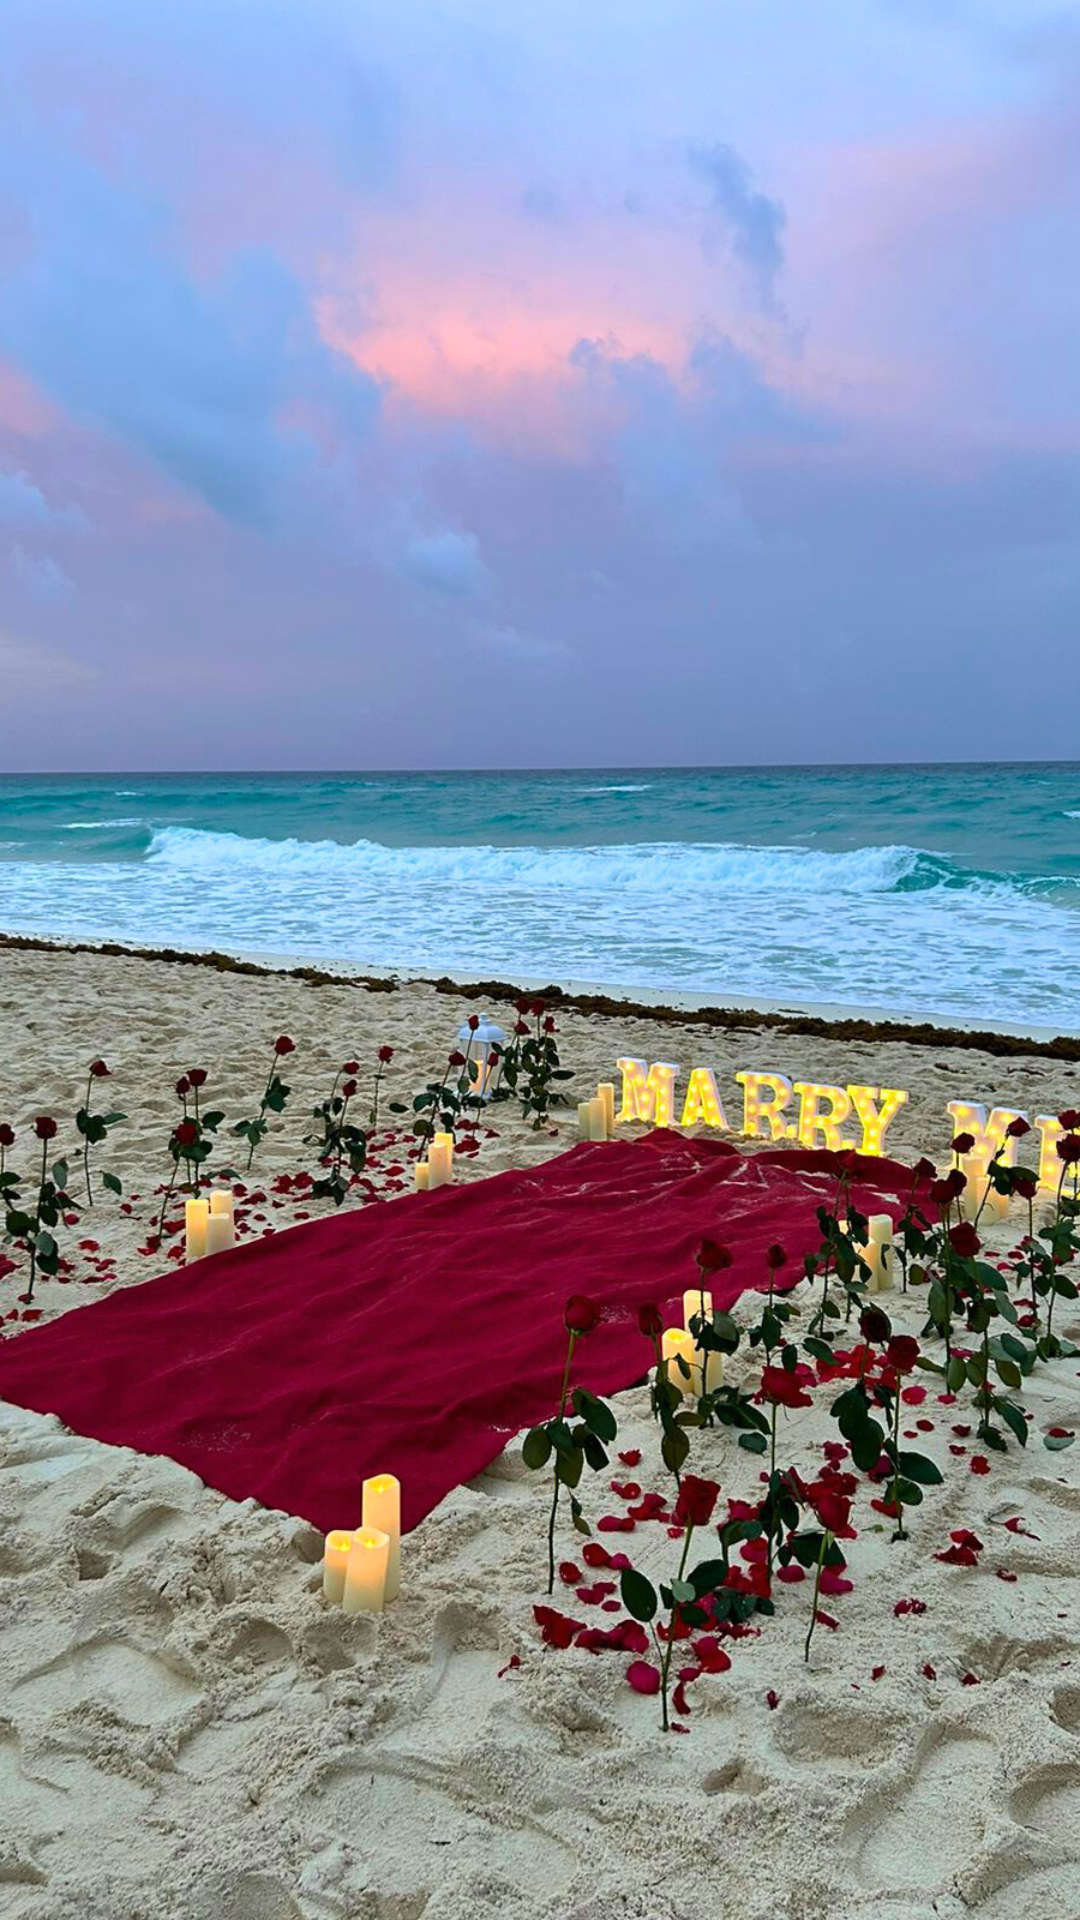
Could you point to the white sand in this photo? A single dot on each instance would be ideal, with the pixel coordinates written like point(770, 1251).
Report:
point(186, 1730)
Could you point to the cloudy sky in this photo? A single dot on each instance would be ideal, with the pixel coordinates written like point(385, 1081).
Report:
point(465, 383)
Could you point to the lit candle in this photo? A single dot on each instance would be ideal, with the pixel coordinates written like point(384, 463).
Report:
point(584, 1119)
point(365, 1574)
point(220, 1232)
point(676, 1344)
point(441, 1160)
point(597, 1122)
point(196, 1215)
point(606, 1094)
point(335, 1560)
point(222, 1202)
point(381, 1512)
point(877, 1253)
point(422, 1176)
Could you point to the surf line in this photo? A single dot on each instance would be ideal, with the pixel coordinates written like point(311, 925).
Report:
point(818, 1115)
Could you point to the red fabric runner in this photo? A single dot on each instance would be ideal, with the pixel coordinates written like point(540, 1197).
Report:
point(415, 1336)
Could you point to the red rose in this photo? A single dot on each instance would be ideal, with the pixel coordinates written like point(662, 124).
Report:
point(956, 1182)
point(493, 1057)
point(98, 1070)
point(902, 1351)
point(941, 1193)
point(1025, 1184)
point(874, 1325)
point(351, 1066)
point(45, 1128)
point(521, 1006)
point(1070, 1119)
point(580, 1314)
point(7, 1135)
point(186, 1133)
point(963, 1143)
point(832, 1509)
point(348, 1088)
point(197, 1076)
point(283, 1045)
point(521, 1026)
point(964, 1240)
point(787, 1388)
point(473, 1022)
point(650, 1321)
point(697, 1498)
point(924, 1169)
point(713, 1256)
point(386, 1054)
point(775, 1257)
point(183, 1085)
point(457, 1059)
point(1017, 1128)
point(538, 1007)
point(1069, 1149)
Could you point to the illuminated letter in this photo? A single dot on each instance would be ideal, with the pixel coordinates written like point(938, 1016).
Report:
point(875, 1119)
point(988, 1135)
point(1050, 1131)
point(702, 1105)
point(765, 1095)
point(812, 1121)
point(647, 1093)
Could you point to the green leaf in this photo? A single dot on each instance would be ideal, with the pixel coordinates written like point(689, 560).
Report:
point(753, 1442)
point(111, 1181)
point(596, 1414)
point(580, 1524)
point(1014, 1420)
point(60, 1174)
point(707, 1576)
point(674, 1448)
point(910, 1494)
point(683, 1590)
point(536, 1448)
point(866, 1446)
point(917, 1467)
point(955, 1373)
point(569, 1467)
point(638, 1595)
point(1010, 1374)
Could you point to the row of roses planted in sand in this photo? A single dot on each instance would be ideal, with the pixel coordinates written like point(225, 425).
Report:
point(987, 1327)
point(52, 1193)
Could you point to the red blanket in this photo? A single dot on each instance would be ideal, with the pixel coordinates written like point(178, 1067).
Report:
point(415, 1336)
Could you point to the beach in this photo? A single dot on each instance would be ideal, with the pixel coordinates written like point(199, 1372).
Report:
point(185, 1728)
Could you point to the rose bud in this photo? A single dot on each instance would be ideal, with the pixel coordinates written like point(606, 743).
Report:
point(924, 1169)
point(963, 1143)
point(473, 1022)
point(186, 1133)
point(1017, 1128)
point(197, 1076)
point(874, 1325)
point(697, 1498)
point(902, 1351)
point(1025, 1184)
point(386, 1054)
point(956, 1181)
point(98, 1070)
point(183, 1085)
point(45, 1128)
point(964, 1240)
point(580, 1314)
point(457, 1059)
point(775, 1257)
point(348, 1088)
point(283, 1045)
point(713, 1256)
point(1070, 1119)
point(549, 1023)
point(1069, 1149)
point(650, 1321)
point(351, 1066)
point(7, 1135)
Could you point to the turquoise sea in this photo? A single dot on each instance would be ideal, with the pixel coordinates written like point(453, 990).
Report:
point(935, 890)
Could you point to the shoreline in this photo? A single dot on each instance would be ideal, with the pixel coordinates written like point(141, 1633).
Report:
point(818, 1019)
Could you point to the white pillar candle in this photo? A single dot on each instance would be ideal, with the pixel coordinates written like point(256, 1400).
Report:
point(878, 1253)
point(597, 1122)
point(441, 1160)
point(422, 1176)
point(676, 1344)
point(335, 1560)
point(220, 1232)
point(381, 1511)
point(697, 1303)
point(997, 1206)
point(222, 1202)
point(365, 1574)
point(713, 1373)
point(196, 1215)
point(606, 1095)
point(584, 1119)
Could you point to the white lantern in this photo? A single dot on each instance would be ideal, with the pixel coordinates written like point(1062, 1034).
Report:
point(476, 1044)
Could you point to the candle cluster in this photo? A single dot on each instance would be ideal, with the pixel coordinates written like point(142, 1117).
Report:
point(210, 1226)
point(438, 1169)
point(362, 1567)
point(596, 1117)
point(706, 1368)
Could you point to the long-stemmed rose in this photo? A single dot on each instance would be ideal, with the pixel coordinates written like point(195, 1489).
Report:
point(51, 1202)
point(383, 1057)
point(340, 1143)
point(684, 1595)
point(571, 1447)
point(274, 1096)
point(94, 1128)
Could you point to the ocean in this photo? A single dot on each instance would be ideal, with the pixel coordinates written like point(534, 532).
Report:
point(938, 890)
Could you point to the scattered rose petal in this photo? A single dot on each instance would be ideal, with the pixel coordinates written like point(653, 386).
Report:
point(632, 1457)
point(1004, 1574)
point(772, 1700)
point(979, 1463)
point(642, 1677)
point(876, 1673)
point(513, 1662)
point(929, 1672)
point(569, 1573)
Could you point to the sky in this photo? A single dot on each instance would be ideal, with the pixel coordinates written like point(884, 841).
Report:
point(543, 384)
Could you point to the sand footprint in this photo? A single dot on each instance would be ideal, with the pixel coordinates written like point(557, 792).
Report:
point(836, 1736)
point(137, 1687)
point(905, 1837)
point(1050, 1801)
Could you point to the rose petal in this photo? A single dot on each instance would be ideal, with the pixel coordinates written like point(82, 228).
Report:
point(642, 1677)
